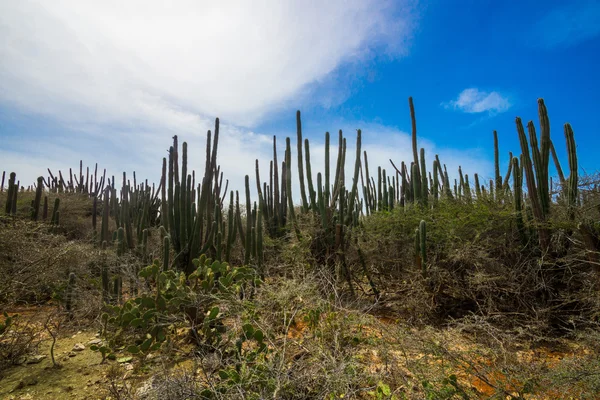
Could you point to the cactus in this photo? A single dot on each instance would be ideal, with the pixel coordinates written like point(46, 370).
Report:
point(354, 191)
point(45, 209)
point(55, 213)
point(418, 260)
point(536, 206)
point(104, 230)
point(104, 273)
point(288, 180)
point(259, 245)
point(498, 178)
point(415, 171)
point(12, 188)
point(38, 199)
point(572, 183)
point(518, 196)
point(300, 163)
point(436, 183)
point(311, 190)
point(166, 249)
point(424, 181)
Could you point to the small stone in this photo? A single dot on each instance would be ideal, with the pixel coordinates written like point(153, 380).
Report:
point(78, 347)
point(128, 367)
point(72, 354)
point(95, 341)
point(35, 359)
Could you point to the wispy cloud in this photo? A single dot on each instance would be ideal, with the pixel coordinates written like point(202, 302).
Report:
point(569, 24)
point(158, 62)
point(123, 77)
point(475, 101)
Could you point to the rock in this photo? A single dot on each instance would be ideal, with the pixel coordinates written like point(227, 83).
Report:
point(128, 367)
point(72, 354)
point(78, 347)
point(95, 341)
point(35, 359)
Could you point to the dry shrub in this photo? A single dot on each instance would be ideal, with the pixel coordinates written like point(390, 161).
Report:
point(21, 339)
point(34, 262)
point(478, 265)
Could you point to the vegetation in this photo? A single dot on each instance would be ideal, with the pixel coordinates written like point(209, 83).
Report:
point(392, 285)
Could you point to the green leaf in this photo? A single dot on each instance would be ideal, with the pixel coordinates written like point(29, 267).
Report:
point(259, 335)
point(160, 335)
point(137, 322)
point(94, 347)
point(148, 315)
point(146, 345)
point(161, 303)
point(155, 346)
point(122, 360)
point(213, 313)
point(148, 302)
point(234, 376)
point(248, 330)
point(126, 319)
point(223, 375)
point(133, 349)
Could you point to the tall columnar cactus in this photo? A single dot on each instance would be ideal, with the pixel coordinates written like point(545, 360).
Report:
point(55, 213)
point(572, 183)
point(38, 198)
point(300, 163)
point(415, 171)
point(12, 188)
point(424, 182)
point(532, 186)
point(259, 245)
point(354, 191)
point(104, 230)
point(436, 182)
point(498, 177)
point(292, 213)
point(192, 227)
point(311, 189)
point(105, 278)
point(45, 209)
point(248, 244)
point(518, 195)
point(166, 250)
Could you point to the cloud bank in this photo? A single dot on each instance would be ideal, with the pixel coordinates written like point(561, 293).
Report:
point(121, 78)
point(126, 76)
point(163, 62)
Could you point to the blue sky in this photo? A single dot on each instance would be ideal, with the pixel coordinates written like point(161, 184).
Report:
point(111, 84)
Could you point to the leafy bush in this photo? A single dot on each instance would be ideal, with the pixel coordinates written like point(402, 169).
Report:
point(142, 324)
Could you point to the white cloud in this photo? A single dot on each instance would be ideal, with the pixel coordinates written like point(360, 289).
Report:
point(155, 61)
point(473, 101)
point(123, 77)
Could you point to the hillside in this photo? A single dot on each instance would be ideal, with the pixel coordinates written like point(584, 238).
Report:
point(398, 282)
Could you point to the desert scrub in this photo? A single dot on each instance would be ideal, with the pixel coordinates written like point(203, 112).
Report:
point(35, 262)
